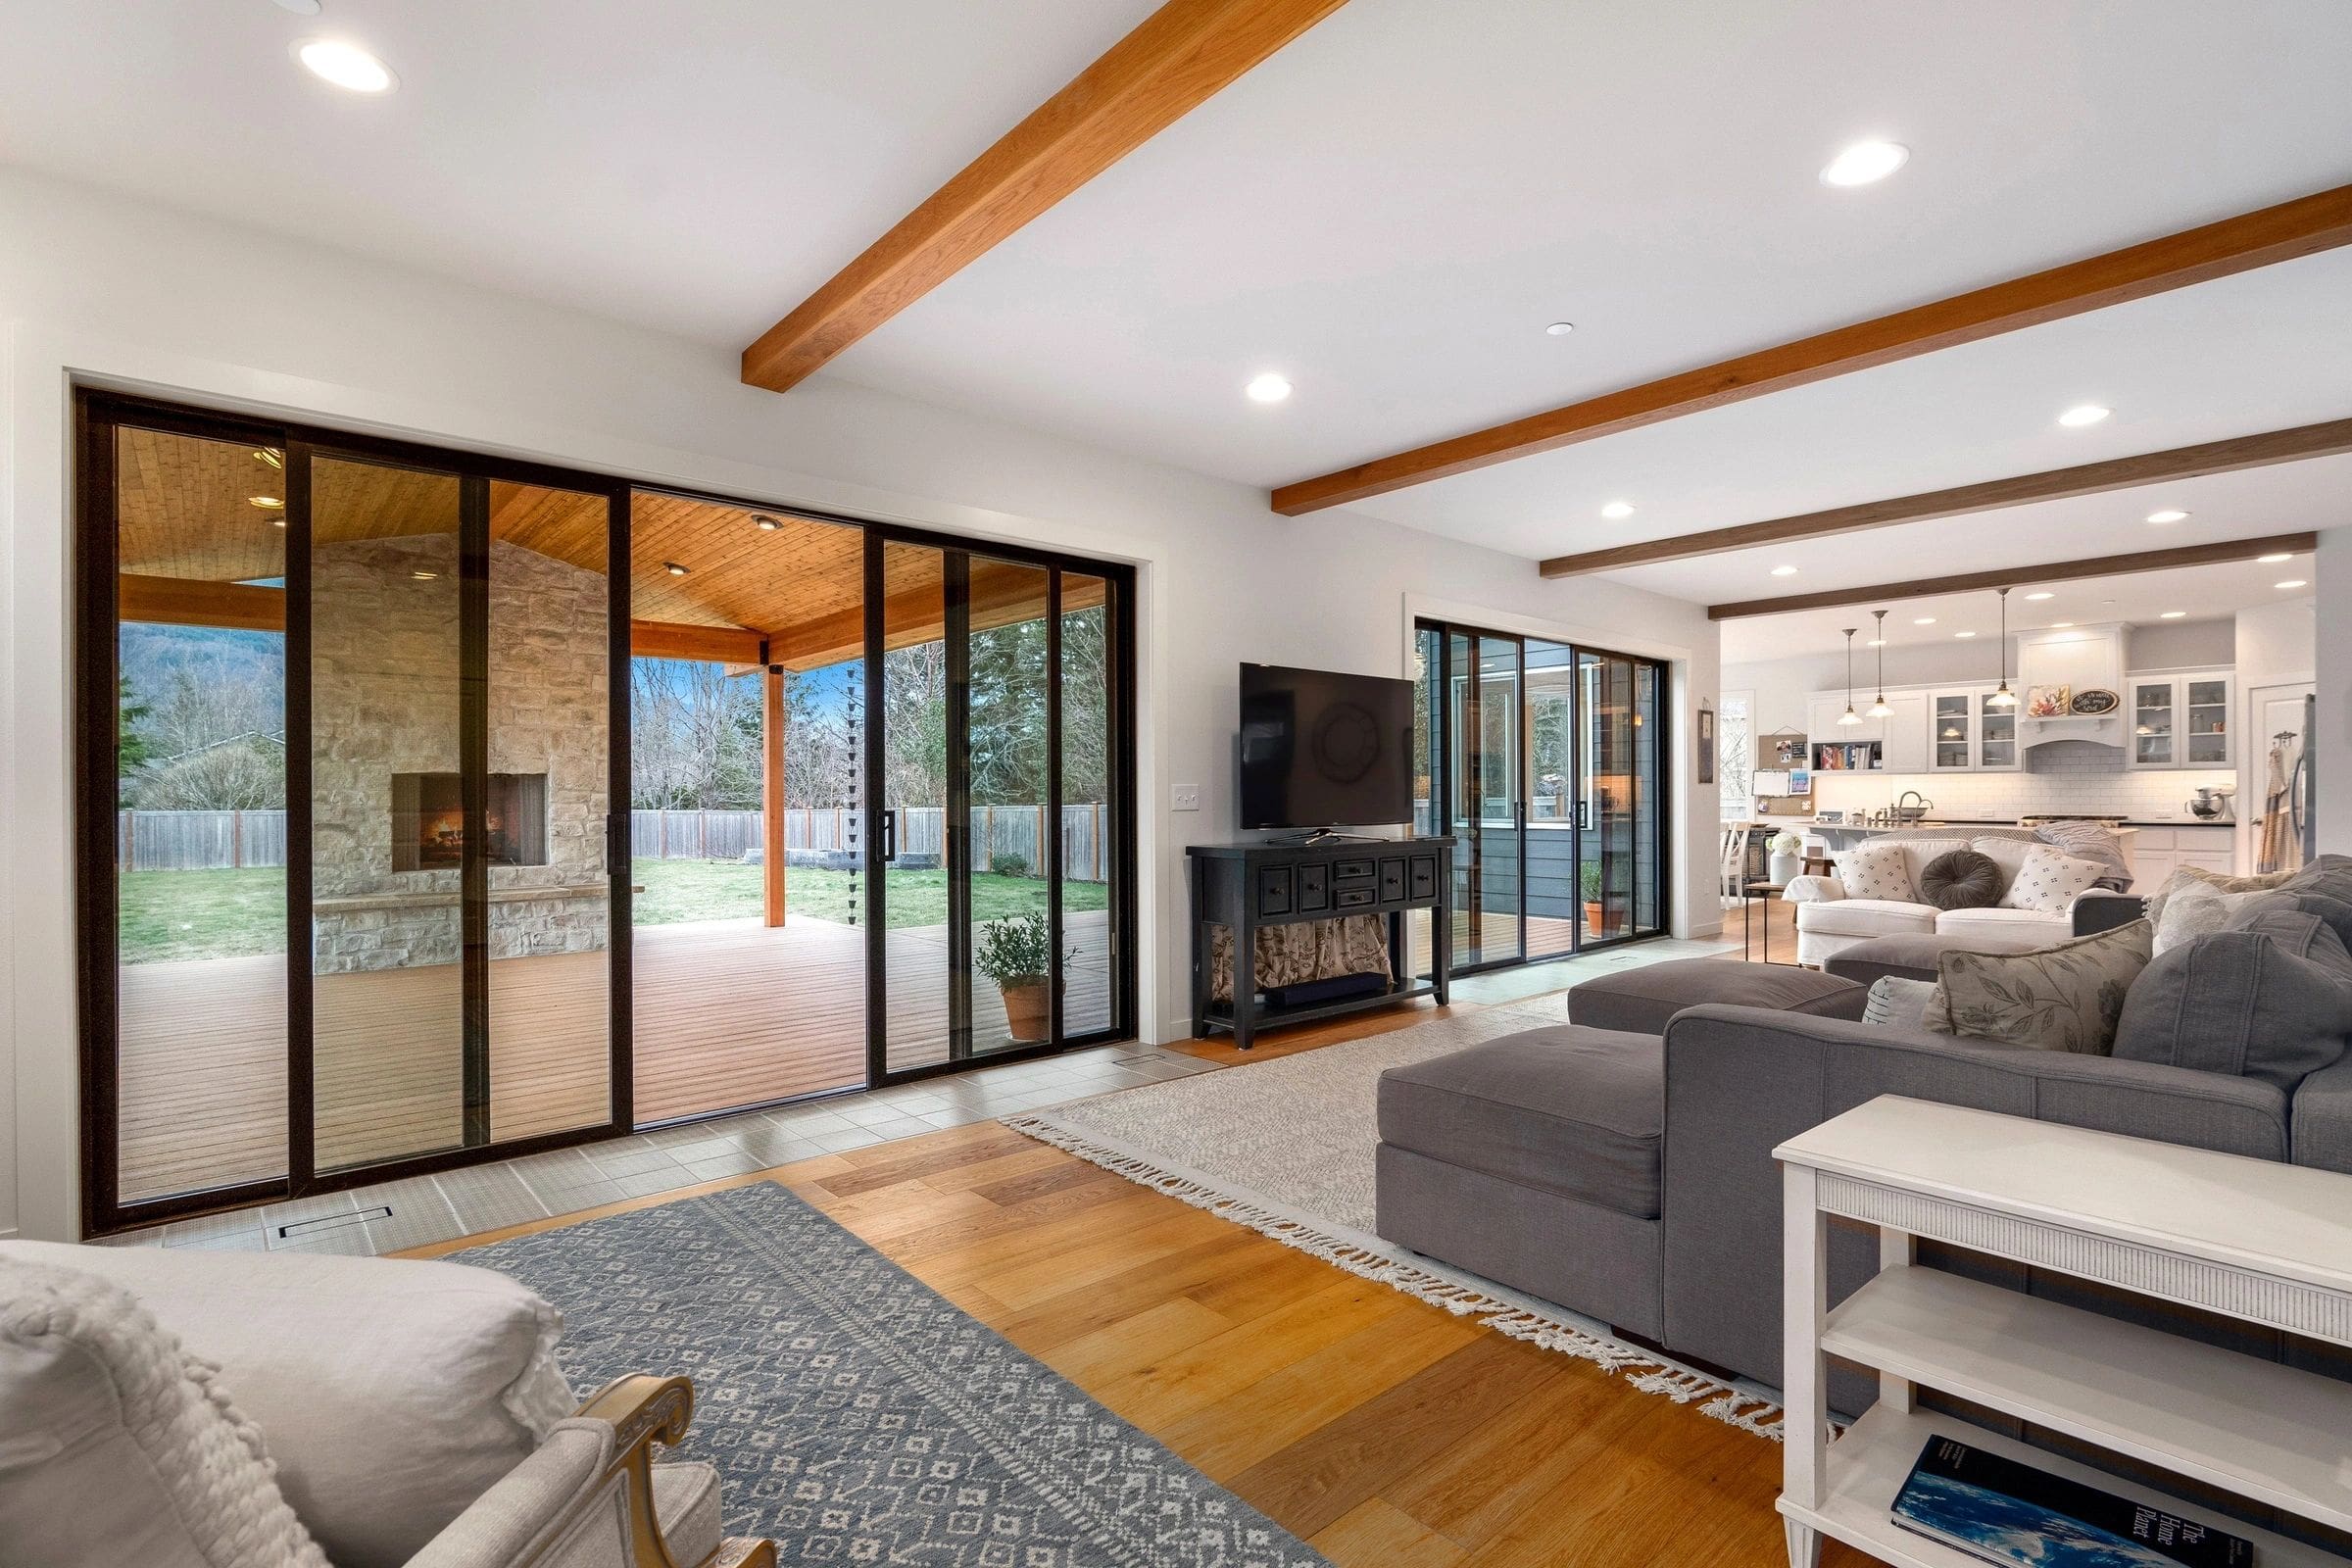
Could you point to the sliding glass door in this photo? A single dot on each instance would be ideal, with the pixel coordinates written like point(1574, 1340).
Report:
point(436, 807)
point(1542, 762)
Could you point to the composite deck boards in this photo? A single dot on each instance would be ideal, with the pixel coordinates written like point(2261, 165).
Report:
point(725, 1013)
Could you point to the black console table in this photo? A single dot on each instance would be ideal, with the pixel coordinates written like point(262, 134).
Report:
point(1245, 886)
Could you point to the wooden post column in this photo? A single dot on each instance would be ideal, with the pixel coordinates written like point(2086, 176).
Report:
point(771, 789)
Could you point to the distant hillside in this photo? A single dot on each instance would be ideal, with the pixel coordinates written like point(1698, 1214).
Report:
point(153, 655)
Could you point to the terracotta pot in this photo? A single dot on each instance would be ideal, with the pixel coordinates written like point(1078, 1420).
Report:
point(1028, 1014)
point(1593, 917)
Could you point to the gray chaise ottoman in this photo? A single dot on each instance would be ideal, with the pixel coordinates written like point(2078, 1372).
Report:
point(1643, 999)
point(1913, 955)
point(1534, 1162)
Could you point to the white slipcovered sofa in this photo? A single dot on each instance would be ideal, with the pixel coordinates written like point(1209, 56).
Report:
point(1832, 913)
point(180, 1409)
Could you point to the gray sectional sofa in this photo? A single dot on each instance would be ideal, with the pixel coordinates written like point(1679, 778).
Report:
point(1629, 1175)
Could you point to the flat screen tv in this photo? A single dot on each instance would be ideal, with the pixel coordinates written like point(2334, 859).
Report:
point(1322, 750)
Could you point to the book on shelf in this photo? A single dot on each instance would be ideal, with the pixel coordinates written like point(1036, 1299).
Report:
point(2018, 1516)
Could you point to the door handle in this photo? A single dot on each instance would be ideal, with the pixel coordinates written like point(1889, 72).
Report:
point(890, 834)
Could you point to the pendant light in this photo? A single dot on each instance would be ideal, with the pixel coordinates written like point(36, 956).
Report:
point(1879, 709)
point(1849, 717)
point(2004, 698)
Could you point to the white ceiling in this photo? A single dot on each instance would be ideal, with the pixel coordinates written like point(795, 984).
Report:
point(1388, 211)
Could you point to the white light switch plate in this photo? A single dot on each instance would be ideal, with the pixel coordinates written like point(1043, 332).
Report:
point(1184, 797)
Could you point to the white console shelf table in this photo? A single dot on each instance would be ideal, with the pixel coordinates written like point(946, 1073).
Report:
point(2269, 1243)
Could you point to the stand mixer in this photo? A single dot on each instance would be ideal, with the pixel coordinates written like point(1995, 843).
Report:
point(2212, 803)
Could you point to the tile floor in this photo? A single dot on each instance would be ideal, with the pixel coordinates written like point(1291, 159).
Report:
point(421, 1209)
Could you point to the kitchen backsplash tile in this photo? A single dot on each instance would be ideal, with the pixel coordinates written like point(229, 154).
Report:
point(2059, 783)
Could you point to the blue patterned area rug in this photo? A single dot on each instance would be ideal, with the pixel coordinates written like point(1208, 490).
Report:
point(857, 1416)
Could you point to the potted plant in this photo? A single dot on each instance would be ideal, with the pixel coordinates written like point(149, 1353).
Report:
point(1588, 879)
point(1015, 952)
point(1788, 857)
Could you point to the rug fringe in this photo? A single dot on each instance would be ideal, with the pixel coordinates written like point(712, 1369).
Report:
point(1642, 1369)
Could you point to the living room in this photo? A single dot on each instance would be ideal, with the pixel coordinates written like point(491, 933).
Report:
point(544, 499)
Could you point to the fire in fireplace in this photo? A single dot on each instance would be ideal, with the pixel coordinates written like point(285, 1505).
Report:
point(428, 820)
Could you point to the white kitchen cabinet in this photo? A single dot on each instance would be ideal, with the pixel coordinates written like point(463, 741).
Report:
point(2185, 720)
point(1903, 733)
point(1966, 734)
point(2161, 850)
point(1998, 748)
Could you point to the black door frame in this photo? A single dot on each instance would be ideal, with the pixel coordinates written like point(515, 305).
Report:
point(1444, 772)
point(98, 413)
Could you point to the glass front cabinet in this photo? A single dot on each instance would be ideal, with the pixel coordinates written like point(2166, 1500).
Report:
point(2182, 721)
point(1967, 734)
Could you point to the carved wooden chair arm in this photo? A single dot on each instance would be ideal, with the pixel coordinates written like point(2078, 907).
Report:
point(644, 1410)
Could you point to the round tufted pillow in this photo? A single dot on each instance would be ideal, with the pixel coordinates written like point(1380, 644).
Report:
point(1961, 879)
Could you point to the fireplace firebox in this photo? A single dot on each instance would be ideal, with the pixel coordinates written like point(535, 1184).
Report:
point(428, 820)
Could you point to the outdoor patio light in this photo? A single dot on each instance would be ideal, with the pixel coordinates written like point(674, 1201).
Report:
point(673, 568)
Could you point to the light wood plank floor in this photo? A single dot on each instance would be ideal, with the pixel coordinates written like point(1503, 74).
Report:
point(1385, 1431)
point(725, 1013)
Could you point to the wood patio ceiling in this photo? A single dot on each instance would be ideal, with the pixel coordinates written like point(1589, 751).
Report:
point(791, 595)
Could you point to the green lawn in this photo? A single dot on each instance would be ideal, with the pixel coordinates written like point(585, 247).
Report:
point(202, 914)
point(720, 889)
point(224, 914)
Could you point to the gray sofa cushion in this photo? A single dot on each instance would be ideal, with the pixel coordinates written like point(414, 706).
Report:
point(2268, 999)
point(1567, 1110)
point(1643, 999)
point(1961, 879)
point(1913, 955)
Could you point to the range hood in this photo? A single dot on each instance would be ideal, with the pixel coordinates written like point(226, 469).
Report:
point(2079, 659)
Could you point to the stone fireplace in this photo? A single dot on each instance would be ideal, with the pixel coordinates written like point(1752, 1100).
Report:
point(388, 818)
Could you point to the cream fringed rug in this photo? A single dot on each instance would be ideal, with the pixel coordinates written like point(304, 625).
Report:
point(1286, 1148)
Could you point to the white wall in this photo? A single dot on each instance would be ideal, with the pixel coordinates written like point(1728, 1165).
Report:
point(2331, 746)
point(100, 289)
point(2273, 648)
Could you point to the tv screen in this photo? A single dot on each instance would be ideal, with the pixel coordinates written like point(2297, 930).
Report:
point(1321, 750)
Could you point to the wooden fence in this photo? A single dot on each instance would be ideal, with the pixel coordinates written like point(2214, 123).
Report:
point(203, 841)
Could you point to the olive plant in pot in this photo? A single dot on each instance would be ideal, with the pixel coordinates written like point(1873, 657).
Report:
point(1017, 953)
point(1588, 881)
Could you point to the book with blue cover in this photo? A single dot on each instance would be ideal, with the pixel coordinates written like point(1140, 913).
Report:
point(2020, 1517)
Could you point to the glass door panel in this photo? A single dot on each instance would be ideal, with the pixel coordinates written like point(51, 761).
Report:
point(546, 810)
point(912, 903)
point(200, 814)
point(1554, 897)
point(2153, 728)
point(391, 818)
point(1605, 768)
point(1008, 743)
point(1648, 784)
point(746, 831)
point(1951, 718)
point(1482, 793)
point(1088, 830)
point(2207, 722)
point(1996, 729)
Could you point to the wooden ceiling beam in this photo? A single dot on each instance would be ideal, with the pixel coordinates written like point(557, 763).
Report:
point(2329, 439)
point(1179, 57)
point(2299, 227)
point(2019, 576)
point(198, 602)
point(717, 645)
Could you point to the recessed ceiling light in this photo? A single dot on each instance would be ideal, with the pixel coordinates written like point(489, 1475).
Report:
point(673, 568)
point(301, 8)
point(1616, 510)
point(345, 65)
point(269, 456)
point(1784, 571)
point(1560, 328)
point(766, 524)
point(2272, 561)
point(2174, 614)
point(1268, 388)
point(1865, 162)
point(2060, 625)
point(1876, 642)
point(2045, 594)
point(265, 502)
point(2168, 514)
point(1923, 620)
point(2082, 413)
point(1964, 634)
point(424, 577)
point(277, 521)
point(2291, 583)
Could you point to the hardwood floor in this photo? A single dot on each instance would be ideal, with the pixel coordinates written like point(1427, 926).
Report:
point(1385, 1431)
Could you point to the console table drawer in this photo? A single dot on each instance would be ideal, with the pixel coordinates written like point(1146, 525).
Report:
point(1314, 886)
point(1354, 897)
point(1350, 871)
point(1392, 881)
point(1274, 893)
point(1424, 876)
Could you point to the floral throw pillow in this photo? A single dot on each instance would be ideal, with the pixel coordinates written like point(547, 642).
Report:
point(2066, 998)
point(1877, 871)
point(2050, 880)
